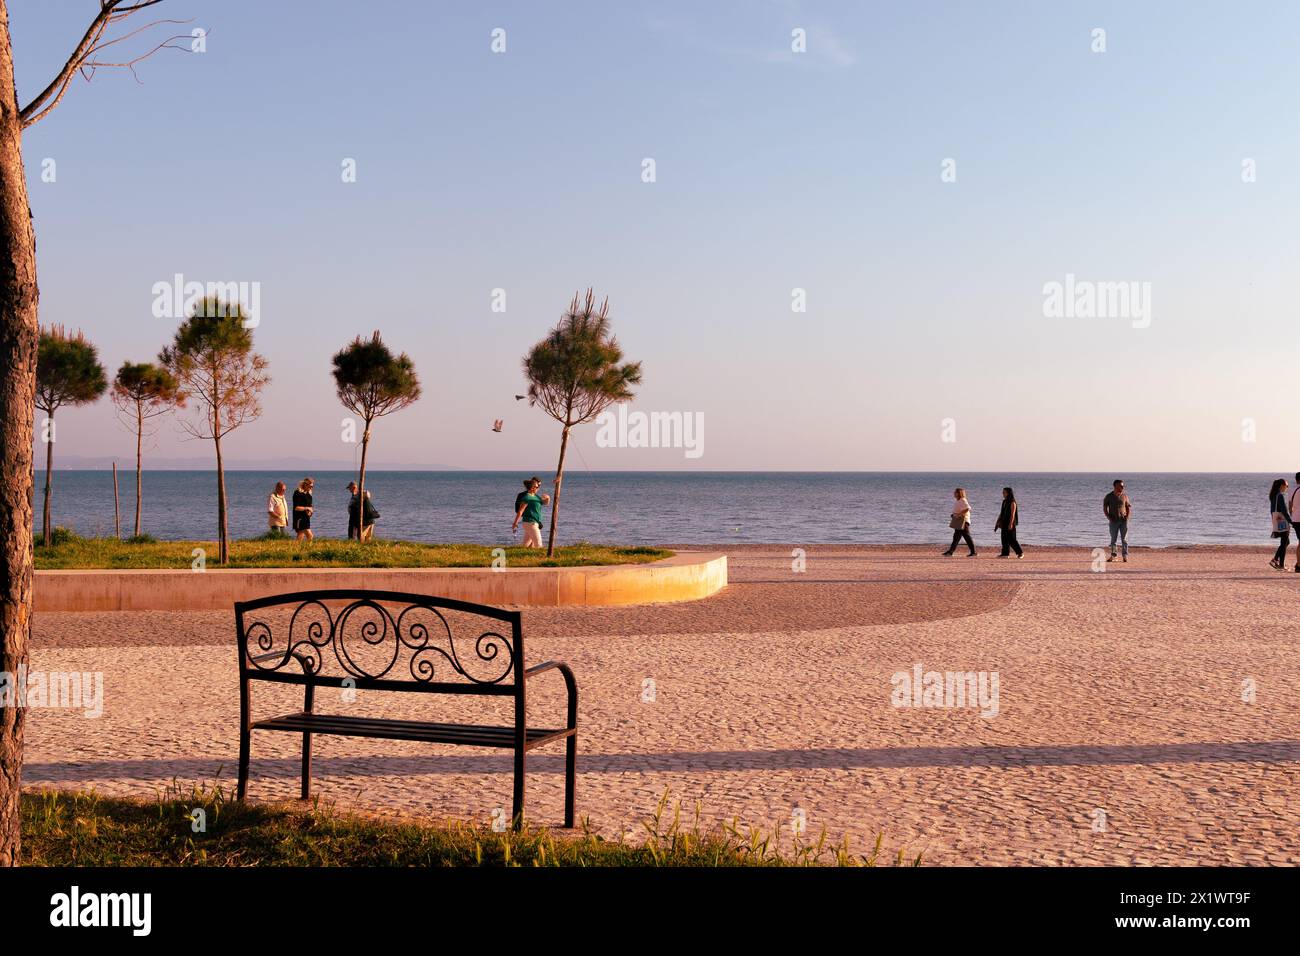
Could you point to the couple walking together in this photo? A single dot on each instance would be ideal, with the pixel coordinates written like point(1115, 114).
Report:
point(1008, 521)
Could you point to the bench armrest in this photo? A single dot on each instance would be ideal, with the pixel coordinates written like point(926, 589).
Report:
point(547, 666)
point(572, 685)
point(300, 658)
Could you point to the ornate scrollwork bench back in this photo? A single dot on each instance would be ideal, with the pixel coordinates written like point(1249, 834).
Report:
point(390, 641)
point(380, 640)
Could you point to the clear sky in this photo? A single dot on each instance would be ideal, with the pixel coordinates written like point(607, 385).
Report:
point(775, 170)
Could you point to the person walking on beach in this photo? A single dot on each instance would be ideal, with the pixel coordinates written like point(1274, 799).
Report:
point(528, 509)
point(354, 529)
point(362, 517)
point(1291, 507)
point(1117, 509)
point(1280, 515)
point(960, 523)
point(302, 509)
point(1008, 518)
point(277, 509)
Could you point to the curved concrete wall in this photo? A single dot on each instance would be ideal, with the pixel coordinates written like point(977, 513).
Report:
point(687, 576)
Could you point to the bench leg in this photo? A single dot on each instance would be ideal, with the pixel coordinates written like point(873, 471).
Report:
point(242, 786)
point(517, 812)
point(306, 766)
point(308, 698)
point(570, 772)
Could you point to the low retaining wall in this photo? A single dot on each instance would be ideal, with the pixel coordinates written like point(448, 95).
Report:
point(687, 576)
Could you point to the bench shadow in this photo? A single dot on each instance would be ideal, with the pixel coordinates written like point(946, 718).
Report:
point(815, 758)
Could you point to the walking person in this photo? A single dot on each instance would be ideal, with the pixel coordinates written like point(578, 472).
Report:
point(1291, 507)
point(1281, 518)
point(277, 510)
point(363, 517)
point(1117, 509)
point(1008, 518)
point(302, 509)
point(354, 529)
point(960, 523)
point(528, 509)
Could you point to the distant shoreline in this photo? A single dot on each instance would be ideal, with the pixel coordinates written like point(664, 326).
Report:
point(989, 550)
point(705, 507)
point(448, 469)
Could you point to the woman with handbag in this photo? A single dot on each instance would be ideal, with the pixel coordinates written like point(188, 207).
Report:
point(1280, 517)
point(960, 523)
point(362, 514)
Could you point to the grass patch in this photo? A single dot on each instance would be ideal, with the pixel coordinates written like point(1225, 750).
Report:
point(78, 828)
point(68, 551)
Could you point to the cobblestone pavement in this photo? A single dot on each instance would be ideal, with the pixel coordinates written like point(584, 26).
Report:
point(1146, 715)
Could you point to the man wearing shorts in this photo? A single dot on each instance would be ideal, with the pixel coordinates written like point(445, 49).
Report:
point(528, 509)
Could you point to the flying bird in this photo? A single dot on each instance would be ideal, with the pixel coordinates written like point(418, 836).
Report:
point(520, 398)
point(497, 423)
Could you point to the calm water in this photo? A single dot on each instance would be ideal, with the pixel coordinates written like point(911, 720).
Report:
point(704, 508)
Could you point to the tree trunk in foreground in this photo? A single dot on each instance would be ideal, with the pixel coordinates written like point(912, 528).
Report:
point(555, 502)
point(18, 334)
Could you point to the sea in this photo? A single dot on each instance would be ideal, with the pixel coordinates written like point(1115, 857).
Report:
point(714, 508)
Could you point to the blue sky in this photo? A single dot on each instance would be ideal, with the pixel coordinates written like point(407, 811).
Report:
point(775, 170)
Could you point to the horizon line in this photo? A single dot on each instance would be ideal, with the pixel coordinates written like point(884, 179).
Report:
point(718, 471)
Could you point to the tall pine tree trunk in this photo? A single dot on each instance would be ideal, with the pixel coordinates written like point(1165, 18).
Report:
point(18, 333)
point(361, 485)
point(139, 442)
point(223, 549)
point(49, 480)
point(559, 480)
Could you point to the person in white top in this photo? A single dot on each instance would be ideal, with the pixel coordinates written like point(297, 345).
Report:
point(960, 523)
point(277, 509)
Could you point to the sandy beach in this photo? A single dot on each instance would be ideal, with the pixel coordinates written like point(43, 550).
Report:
point(1145, 715)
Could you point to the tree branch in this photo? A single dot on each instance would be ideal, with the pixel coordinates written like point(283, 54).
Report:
point(110, 11)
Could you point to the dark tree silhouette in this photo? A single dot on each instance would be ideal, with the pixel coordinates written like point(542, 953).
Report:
point(371, 383)
point(574, 374)
point(67, 373)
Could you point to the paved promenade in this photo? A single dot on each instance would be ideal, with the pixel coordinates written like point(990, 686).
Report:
point(1149, 714)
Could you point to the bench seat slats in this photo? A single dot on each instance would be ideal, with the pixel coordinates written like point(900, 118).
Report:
point(479, 735)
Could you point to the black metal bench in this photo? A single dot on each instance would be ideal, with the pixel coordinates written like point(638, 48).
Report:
point(377, 639)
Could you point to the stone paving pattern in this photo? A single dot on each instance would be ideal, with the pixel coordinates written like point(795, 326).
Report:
point(1120, 691)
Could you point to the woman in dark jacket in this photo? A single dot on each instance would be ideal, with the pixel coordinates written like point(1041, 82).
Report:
point(302, 509)
point(1282, 522)
point(1008, 518)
